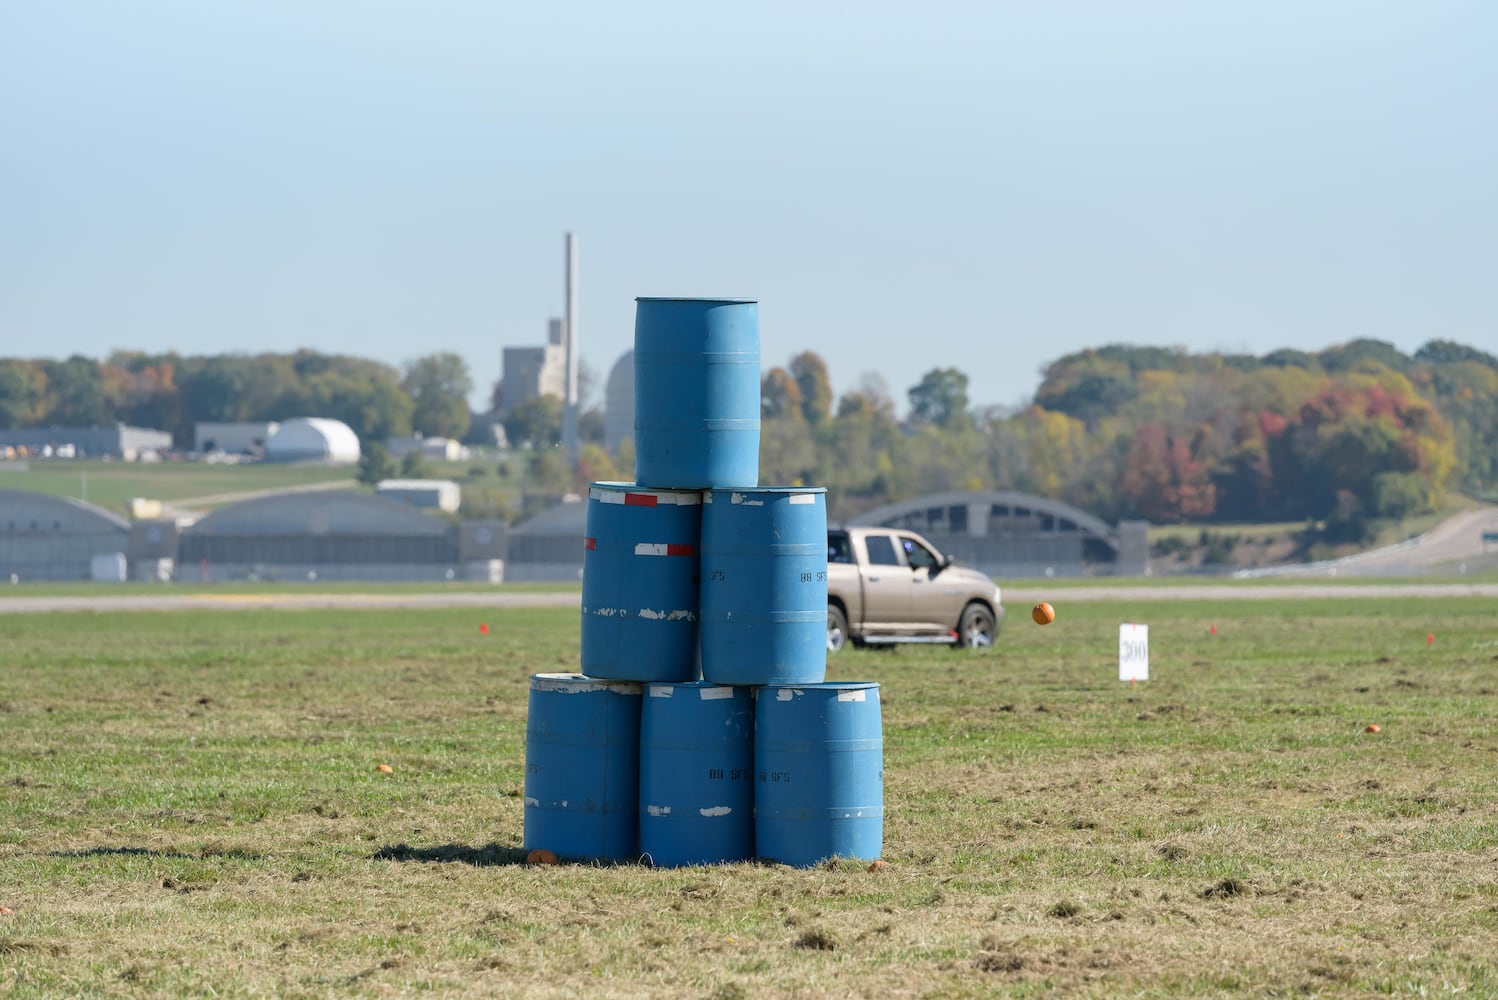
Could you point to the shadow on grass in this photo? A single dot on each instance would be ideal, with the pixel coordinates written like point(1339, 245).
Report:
point(147, 852)
point(480, 857)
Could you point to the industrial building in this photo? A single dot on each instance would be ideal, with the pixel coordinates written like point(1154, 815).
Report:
point(427, 494)
point(238, 438)
point(619, 404)
point(529, 372)
point(128, 443)
point(439, 449)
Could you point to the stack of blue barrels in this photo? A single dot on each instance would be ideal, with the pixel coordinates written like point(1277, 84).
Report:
point(702, 729)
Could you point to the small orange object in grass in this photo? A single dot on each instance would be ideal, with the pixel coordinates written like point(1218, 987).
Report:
point(483, 629)
point(1373, 727)
point(1043, 613)
point(384, 768)
point(6, 911)
point(541, 856)
point(878, 866)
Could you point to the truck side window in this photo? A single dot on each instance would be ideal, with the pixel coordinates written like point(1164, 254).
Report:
point(838, 549)
point(917, 554)
point(881, 550)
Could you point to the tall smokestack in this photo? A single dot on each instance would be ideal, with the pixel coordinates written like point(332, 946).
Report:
point(569, 403)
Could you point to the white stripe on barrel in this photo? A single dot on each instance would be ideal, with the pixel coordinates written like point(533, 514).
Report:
point(629, 498)
point(663, 549)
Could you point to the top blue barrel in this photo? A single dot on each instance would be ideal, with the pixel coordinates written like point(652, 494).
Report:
point(696, 393)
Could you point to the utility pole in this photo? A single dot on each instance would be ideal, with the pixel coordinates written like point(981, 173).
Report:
point(569, 400)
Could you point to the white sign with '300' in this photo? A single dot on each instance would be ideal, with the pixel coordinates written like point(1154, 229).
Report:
point(1133, 652)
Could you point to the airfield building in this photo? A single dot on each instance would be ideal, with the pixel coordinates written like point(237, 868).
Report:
point(314, 439)
point(1009, 534)
point(44, 537)
point(337, 535)
point(128, 443)
point(529, 372)
point(238, 438)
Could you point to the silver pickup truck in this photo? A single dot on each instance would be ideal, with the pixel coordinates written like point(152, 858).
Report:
point(886, 586)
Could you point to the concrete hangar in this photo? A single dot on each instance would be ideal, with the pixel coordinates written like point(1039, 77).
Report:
point(1009, 534)
point(307, 535)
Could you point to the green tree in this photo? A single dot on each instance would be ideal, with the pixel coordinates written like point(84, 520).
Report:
point(1356, 353)
point(592, 426)
point(414, 465)
point(214, 391)
point(78, 393)
point(1399, 494)
point(940, 398)
point(535, 423)
point(779, 394)
point(810, 373)
point(23, 389)
point(375, 464)
point(439, 385)
point(1441, 352)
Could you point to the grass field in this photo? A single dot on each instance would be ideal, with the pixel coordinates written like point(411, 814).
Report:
point(112, 485)
point(189, 805)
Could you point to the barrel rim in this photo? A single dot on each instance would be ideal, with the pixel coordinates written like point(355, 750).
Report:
point(822, 686)
point(691, 298)
point(577, 683)
point(766, 489)
point(683, 497)
point(696, 685)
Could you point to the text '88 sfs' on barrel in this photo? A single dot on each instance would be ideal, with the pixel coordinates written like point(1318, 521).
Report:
point(764, 586)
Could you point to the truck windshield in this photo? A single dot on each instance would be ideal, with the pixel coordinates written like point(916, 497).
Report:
point(917, 554)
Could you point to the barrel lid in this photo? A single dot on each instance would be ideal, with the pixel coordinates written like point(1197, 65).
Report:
point(755, 496)
point(691, 298)
point(581, 684)
point(842, 690)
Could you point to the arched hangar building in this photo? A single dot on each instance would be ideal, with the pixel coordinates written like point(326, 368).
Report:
point(44, 537)
point(338, 535)
point(1009, 534)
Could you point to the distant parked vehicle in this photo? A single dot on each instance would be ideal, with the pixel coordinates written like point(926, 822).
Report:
point(887, 586)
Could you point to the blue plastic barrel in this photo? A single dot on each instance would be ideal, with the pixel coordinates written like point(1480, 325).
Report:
point(764, 586)
point(582, 768)
point(819, 773)
point(696, 392)
point(696, 774)
point(640, 587)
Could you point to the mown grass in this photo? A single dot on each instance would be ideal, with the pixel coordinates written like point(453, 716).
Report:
point(189, 805)
point(229, 587)
point(112, 485)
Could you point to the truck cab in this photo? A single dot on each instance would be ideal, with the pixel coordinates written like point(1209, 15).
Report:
point(888, 586)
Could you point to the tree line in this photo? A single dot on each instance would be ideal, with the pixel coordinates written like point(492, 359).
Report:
point(1341, 436)
point(1353, 432)
point(174, 393)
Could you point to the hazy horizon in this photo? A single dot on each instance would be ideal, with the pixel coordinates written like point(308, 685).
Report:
point(979, 186)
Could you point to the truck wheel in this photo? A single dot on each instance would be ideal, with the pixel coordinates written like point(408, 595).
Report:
point(977, 629)
point(837, 628)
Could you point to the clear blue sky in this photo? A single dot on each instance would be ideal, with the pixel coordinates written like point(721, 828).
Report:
point(902, 186)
